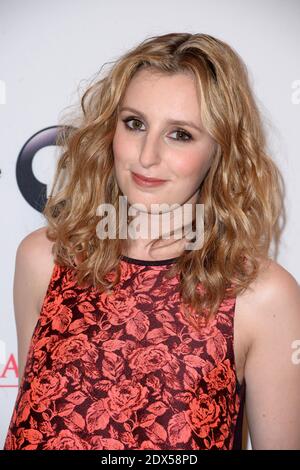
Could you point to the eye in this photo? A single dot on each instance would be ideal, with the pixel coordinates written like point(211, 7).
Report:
point(184, 133)
point(187, 135)
point(126, 120)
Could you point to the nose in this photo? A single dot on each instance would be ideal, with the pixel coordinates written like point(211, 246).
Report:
point(150, 153)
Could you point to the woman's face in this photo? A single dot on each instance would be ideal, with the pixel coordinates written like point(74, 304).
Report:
point(151, 145)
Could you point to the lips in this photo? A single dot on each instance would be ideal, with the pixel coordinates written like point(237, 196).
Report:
point(144, 178)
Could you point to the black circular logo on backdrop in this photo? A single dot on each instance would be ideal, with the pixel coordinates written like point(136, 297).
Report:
point(33, 190)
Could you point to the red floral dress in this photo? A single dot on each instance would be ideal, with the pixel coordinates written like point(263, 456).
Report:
point(127, 371)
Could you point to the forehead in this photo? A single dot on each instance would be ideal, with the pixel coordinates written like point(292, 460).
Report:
point(151, 89)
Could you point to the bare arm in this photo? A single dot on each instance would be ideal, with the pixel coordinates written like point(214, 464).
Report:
point(31, 278)
point(272, 372)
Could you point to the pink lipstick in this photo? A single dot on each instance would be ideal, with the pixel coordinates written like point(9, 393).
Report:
point(144, 181)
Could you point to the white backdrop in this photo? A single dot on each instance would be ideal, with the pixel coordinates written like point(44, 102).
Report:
point(48, 49)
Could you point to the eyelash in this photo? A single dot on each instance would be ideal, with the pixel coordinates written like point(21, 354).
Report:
point(131, 118)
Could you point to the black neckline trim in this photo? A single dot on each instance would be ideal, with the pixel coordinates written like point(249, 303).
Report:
point(147, 262)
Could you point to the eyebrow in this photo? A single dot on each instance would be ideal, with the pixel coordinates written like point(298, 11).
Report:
point(170, 121)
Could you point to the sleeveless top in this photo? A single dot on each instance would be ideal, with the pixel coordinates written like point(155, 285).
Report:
point(127, 371)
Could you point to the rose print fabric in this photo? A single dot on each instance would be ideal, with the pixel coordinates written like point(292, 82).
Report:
point(127, 371)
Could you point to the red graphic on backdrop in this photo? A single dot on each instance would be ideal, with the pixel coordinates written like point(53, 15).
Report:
point(9, 373)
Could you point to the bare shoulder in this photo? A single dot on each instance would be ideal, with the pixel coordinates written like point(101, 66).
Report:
point(273, 283)
point(273, 298)
point(36, 250)
point(269, 312)
point(36, 240)
point(34, 260)
point(34, 264)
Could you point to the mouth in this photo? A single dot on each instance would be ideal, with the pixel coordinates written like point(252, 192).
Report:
point(144, 181)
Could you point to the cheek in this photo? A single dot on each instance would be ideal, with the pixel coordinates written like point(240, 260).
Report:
point(117, 145)
point(192, 165)
point(121, 148)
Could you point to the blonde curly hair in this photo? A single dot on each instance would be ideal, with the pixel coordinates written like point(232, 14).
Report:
point(242, 192)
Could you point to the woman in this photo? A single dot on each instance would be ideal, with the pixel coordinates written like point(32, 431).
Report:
point(150, 342)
